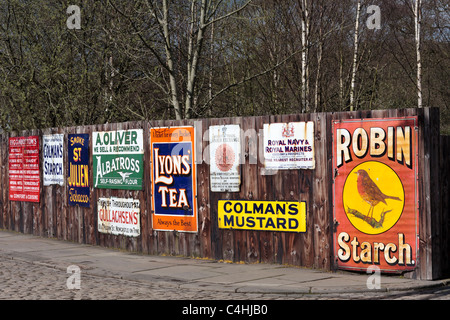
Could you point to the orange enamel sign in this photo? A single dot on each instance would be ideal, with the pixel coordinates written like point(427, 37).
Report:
point(375, 193)
point(173, 175)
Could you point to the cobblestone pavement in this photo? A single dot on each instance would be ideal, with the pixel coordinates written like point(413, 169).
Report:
point(24, 280)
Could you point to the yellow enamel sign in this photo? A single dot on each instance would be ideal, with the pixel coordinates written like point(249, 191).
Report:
point(284, 216)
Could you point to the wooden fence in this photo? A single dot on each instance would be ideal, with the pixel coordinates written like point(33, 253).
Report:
point(53, 217)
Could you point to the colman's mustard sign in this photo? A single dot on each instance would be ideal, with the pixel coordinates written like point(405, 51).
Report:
point(375, 193)
point(284, 216)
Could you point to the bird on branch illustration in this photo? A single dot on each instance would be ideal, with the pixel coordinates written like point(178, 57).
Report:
point(370, 192)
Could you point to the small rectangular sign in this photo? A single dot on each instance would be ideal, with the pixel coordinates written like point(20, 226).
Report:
point(53, 153)
point(24, 181)
point(225, 156)
point(119, 216)
point(287, 216)
point(289, 145)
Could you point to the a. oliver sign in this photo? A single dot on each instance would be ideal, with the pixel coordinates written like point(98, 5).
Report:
point(118, 158)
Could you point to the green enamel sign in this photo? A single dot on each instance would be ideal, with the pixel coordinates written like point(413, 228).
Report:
point(118, 158)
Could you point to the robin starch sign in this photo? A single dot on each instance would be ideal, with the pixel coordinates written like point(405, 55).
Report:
point(375, 193)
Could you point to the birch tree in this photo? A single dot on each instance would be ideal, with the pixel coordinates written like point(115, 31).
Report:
point(355, 57)
point(304, 14)
point(417, 22)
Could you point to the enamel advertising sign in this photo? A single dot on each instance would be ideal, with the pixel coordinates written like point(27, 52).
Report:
point(375, 193)
point(78, 176)
point(24, 183)
point(287, 216)
point(225, 154)
point(118, 158)
point(119, 216)
point(173, 175)
point(53, 147)
point(289, 145)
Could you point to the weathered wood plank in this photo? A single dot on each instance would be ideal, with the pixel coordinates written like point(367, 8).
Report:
point(321, 181)
point(90, 214)
point(60, 194)
point(203, 198)
point(223, 239)
point(145, 195)
point(62, 213)
point(277, 194)
point(432, 195)
point(249, 178)
point(38, 216)
point(238, 238)
point(47, 193)
point(265, 192)
point(445, 204)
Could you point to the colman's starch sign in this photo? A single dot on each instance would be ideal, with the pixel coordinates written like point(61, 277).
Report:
point(375, 193)
point(173, 175)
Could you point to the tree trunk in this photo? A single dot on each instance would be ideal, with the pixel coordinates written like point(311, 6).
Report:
point(355, 59)
point(169, 63)
point(417, 23)
point(305, 49)
point(193, 57)
point(319, 61)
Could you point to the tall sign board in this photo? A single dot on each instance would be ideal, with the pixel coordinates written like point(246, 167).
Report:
point(375, 193)
point(173, 176)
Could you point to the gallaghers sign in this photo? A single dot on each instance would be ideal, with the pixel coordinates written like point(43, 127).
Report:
point(375, 193)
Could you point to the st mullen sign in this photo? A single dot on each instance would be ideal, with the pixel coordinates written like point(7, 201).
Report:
point(375, 193)
point(173, 176)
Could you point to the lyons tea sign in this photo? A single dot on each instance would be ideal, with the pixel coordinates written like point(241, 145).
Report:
point(375, 193)
point(173, 176)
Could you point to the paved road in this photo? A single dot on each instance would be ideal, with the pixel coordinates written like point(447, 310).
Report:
point(25, 280)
